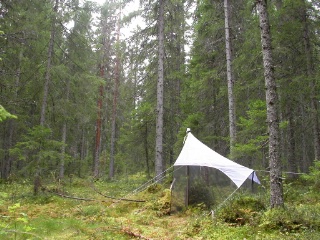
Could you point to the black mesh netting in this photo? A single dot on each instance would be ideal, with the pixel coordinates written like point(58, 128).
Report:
point(194, 185)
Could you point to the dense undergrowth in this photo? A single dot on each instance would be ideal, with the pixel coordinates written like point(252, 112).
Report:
point(79, 209)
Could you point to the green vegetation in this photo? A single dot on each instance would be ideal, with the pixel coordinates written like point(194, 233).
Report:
point(4, 114)
point(51, 216)
point(79, 100)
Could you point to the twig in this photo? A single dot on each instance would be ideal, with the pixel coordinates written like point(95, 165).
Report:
point(119, 199)
point(22, 232)
point(91, 199)
point(71, 197)
point(132, 234)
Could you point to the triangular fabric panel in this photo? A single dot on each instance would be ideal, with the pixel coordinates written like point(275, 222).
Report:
point(195, 153)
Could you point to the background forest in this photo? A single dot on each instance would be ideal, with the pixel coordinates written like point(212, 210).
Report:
point(89, 111)
point(85, 96)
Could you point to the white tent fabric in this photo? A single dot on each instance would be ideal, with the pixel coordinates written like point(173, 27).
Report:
point(195, 153)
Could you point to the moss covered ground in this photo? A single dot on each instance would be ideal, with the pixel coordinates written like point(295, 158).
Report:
point(79, 209)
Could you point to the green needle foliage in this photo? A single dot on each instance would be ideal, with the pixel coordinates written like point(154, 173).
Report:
point(38, 150)
point(4, 114)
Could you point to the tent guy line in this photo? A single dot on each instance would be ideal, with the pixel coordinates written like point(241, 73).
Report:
point(282, 172)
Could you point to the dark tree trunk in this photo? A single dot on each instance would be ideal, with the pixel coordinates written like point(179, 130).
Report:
point(292, 164)
point(115, 103)
point(96, 162)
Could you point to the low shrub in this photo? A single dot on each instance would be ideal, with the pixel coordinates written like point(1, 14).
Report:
point(292, 219)
point(313, 178)
point(242, 210)
point(279, 218)
point(154, 188)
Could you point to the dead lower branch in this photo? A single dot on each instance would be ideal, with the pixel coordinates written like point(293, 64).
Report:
point(114, 198)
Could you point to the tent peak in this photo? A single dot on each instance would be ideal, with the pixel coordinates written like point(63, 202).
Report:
point(196, 153)
point(188, 130)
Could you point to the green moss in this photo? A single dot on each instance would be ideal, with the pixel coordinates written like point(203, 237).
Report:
point(242, 217)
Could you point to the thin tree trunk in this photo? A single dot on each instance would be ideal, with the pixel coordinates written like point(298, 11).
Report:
point(82, 151)
point(63, 150)
point(276, 189)
point(178, 62)
point(304, 163)
point(292, 164)
point(48, 69)
point(64, 139)
point(310, 74)
point(105, 125)
point(64, 133)
point(37, 182)
point(159, 124)
point(115, 102)
point(146, 148)
point(96, 162)
point(230, 78)
point(107, 36)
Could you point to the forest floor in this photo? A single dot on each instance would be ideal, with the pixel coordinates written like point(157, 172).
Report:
point(79, 209)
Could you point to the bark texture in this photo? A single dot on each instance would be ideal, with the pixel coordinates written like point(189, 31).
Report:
point(115, 103)
point(96, 161)
point(159, 123)
point(276, 189)
point(230, 77)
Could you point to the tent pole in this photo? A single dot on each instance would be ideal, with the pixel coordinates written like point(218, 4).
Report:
point(187, 188)
point(252, 190)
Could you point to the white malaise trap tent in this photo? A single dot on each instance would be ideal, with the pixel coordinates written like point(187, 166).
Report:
point(201, 175)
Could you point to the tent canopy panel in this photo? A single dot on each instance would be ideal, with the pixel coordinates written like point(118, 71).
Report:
point(195, 153)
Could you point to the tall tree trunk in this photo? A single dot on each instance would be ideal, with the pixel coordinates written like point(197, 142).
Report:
point(304, 163)
point(146, 149)
point(310, 74)
point(292, 164)
point(105, 124)
point(64, 134)
point(107, 27)
point(230, 78)
point(276, 189)
point(48, 68)
point(115, 101)
point(96, 161)
point(37, 182)
point(175, 73)
point(63, 150)
point(159, 124)
point(83, 151)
